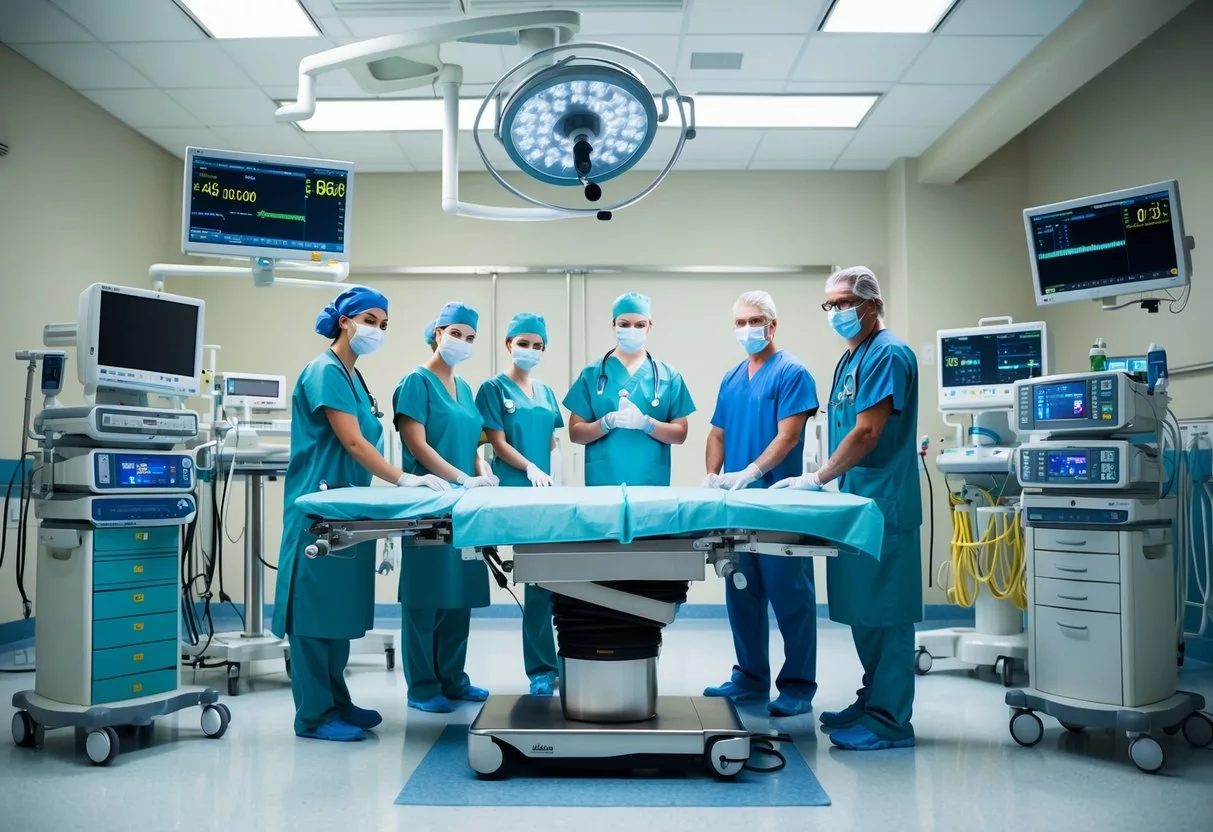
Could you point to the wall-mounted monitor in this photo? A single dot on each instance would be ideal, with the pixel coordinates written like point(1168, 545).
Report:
point(274, 207)
point(978, 366)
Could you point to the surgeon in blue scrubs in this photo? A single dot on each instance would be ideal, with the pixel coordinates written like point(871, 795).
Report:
point(440, 428)
point(336, 439)
point(873, 411)
point(757, 439)
point(629, 408)
point(520, 417)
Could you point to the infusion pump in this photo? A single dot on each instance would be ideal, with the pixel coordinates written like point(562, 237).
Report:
point(1091, 404)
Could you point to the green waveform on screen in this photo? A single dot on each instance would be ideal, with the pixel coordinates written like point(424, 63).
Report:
point(270, 215)
point(1066, 252)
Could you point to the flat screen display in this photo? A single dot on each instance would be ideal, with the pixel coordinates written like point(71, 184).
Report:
point(1064, 401)
point(148, 471)
point(992, 359)
point(257, 388)
point(1128, 363)
point(148, 334)
point(1067, 464)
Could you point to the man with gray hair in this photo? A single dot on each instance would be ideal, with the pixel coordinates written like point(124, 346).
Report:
point(873, 409)
point(757, 438)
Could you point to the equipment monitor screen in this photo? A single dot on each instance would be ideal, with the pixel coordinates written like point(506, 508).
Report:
point(257, 388)
point(1067, 400)
point(275, 207)
point(1067, 464)
point(148, 471)
point(1127, 363)
point(148, 334)
point(991, 359)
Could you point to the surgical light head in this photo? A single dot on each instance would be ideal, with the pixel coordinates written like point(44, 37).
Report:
point(860, 282)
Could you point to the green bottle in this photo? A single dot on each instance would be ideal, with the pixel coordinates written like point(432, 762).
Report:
point(1098, 356)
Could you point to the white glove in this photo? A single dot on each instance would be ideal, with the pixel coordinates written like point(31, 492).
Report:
point(427, 481)
point(628, 416)
point(487, 481)
point(805, 482)
point(537, 477)
point(739, 479)
point(711, 481)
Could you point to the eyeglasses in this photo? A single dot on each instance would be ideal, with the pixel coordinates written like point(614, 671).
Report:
point(844, 304)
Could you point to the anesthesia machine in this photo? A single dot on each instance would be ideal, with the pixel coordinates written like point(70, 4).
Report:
point(114, 499)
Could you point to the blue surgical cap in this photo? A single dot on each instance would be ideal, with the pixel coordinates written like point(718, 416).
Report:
point(526, 322)
point(632, 303)
point(353, 301)
point(427, 334)
point(457, 313)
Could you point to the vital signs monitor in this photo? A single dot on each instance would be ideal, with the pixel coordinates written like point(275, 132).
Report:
point(1102, 246)
point(273, 207)
point(978, 366)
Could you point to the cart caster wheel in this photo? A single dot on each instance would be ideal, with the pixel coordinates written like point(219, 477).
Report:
point(1198, 730)
point(1026, 728)
point(101, 745)
point(1071, 727)
point(1005, 668)
point(24, 729)
point(486, 757)
point(214, 721)
point(1147, 754)
point(390, 655)
point(923, 661)
point(724, 757)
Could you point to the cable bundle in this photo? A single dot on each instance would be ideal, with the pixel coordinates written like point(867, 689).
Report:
point(997, 560)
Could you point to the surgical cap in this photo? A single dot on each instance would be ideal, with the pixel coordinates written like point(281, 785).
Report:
point(632, 303)
point(427, 334)
point(457, 313)
point(525, 322)
point(353, 301)
point(859, 280)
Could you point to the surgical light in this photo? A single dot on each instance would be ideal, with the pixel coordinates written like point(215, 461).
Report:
point(886, 16)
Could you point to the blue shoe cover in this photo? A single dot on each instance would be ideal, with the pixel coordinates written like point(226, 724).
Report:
point(786, 705)
point(435, 705)
point(858, 738)
point(471, 693)
point(362, 717)
point(845, 718)
point(335, 730)
point(542, 685)
point(735, 692)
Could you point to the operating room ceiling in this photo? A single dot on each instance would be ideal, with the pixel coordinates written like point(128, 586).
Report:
point(148, 64)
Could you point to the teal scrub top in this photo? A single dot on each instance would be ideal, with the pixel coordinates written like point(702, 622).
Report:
point(528, 422)
point(432, 576)
point(862, 591)
point(628, 456)
point(329, 597)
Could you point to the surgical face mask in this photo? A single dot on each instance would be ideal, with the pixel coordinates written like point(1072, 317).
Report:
point(366, 339)
point(845, 321)
point(753, 339)
point(525, 357)
point(630, 339)
point(454, 351)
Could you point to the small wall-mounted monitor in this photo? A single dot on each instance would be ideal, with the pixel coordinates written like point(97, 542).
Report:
point(978, 366)
point(1107, 245)
point(1131, 364)
point(274, 207)
point(256, 392)
point(139, 340)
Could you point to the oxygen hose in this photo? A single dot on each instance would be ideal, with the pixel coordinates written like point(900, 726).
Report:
point(997, 561)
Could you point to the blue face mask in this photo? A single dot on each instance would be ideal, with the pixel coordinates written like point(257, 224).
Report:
point(846, 321)
point(630, 339)
point(753, 339)
point(525, 357)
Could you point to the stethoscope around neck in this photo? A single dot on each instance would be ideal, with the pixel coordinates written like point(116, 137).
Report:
point(850, 381)
point(375, 411)
point(602, 376)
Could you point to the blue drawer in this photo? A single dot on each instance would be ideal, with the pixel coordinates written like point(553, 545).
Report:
point(139, 629)
point(134, 686)
point(138, 658)
point(143, 600)
point(154, 568)
point(125, 542)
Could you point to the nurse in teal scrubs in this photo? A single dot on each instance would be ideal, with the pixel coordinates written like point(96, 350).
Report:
point(440, 428)
point(520, 419)
point(336, 439)
point(873, 453)
point(629, 408)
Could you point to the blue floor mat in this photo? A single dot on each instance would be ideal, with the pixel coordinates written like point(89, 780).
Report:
point(444, 779)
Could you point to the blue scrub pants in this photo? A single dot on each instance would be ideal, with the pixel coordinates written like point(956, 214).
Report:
point(538, 639)
point(787, 584)
point(887, 695)
point(435, 651)
point(318, 680)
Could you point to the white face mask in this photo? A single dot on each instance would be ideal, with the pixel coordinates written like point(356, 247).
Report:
point(454, 351)
point(525, 357)
point(366, 339)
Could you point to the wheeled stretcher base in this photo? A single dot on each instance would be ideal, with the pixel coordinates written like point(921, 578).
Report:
point(532, 729)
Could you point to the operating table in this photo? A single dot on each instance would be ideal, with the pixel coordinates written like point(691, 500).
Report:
point(618, 561)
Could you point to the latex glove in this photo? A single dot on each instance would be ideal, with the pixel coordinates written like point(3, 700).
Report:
point(629, 416)
point(427, 481)
point(739, 479)
point(537, 477)
point(805, 482)
point(487, 481)
point(711, 481)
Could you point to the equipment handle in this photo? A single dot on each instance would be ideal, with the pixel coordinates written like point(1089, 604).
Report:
point(1061, 542)
point(1072, 626)
point(1075, 569)
point(1073, 597)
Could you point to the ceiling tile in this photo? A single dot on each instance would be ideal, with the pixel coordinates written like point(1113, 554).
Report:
point(359, 148)
point(37, 21)
point(594, 24)
point(660, 49)
point(890, 142)
point(968, 60)
point(469, 157)
point(143, 108)
point(279, 139)
point(768, 17)
point(184, 65)
point(334, 27)
point(176, 139)
point(426, 148)
point(133, 20)
point(685, 164)
point(694, 83)
point(868, 165)
point(725, 145)
point(803, 145)
point(227, 107)
point(853, 57)
point(274, 62)
point(84, 66)
point(374, 27)
point(767, 57)
point(927, 105)
point(838, 87)
point(998, 17)
point(320, 8)
point(790, 164)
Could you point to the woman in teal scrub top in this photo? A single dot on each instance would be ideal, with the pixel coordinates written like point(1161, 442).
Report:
point(440, 428)
point(520, 418)
point(336, 439)
point(629, 408)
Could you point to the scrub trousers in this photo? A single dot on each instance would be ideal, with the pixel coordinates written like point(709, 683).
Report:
point(435, 651)
point(538, 639)
point(887, 695)
point(787, 584)
point(318, 680)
